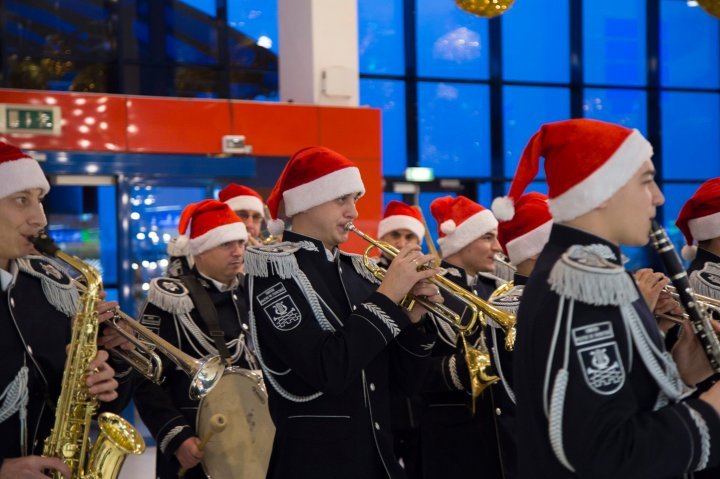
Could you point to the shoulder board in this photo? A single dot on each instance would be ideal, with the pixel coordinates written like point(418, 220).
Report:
point(707, 280)
point(358, 262)
point(171, 295)
point(453, 272)
point(57, 285)
point(584, 273)
point(277, 259)
point(510, 300)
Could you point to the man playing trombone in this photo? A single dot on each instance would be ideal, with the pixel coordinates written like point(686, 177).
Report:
point(331, 341)
point(175, 310)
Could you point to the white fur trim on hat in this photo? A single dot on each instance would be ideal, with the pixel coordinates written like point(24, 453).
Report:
point(529, 244)
point(603, 182)
point(217, 236)
point(467, 231)
point(246, 202)
point(705, 227)
point(20, 175)
point(320, 190)
point(399, 222)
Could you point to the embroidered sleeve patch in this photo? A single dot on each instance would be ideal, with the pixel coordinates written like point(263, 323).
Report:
point(377, 311)
point(283, 313)
point(602, 367)
point(152, 322)
point(274, 291)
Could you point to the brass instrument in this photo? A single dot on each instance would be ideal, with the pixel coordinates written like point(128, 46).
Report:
point(706, 302)
point(204, 373)
point(477, 309)
point(69, 438)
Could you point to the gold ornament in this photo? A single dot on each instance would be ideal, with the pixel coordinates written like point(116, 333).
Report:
point(711, 6)
point(494, 8)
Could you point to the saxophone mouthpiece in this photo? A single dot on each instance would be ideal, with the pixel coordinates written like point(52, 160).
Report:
point(45, 244)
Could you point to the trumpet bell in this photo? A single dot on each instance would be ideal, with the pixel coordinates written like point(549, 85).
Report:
point(209, 372)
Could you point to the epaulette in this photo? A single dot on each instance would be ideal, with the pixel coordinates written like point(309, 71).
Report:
point(585, 273)
point(171, 295)
point(277, 259)
point(707, 280)
point(504, 270)
point(510, 300)
point(57, 285)
point(358, 262)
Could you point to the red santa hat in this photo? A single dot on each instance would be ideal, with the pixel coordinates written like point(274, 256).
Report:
point(312, 176)
point(699, 218)
point(19, 172)
point(399, 215)
point(239, 197)
point(211, 223)
point(525, 235)
point(460, 222)
point(586, 162)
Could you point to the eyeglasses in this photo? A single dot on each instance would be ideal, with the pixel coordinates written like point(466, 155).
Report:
point(244, 215)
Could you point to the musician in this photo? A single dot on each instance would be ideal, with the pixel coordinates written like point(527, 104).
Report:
point(402, 225)
point(247, 204)
point(174, 310)
point(699, 221)
point(331, 341)
point(453, 440)
point(597, 394)
point(37, 302)
point(522, 239)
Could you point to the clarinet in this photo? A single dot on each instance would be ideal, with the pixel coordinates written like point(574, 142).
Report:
point(700, 319)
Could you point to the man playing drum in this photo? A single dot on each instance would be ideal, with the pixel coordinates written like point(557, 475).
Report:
point(175, 311)
point(331, 341)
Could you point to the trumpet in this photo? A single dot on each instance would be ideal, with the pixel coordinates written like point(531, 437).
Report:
point(204, 373)
point(709, 304)
point(474, 308)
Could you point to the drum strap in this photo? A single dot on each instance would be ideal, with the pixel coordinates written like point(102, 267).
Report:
point(208, 313)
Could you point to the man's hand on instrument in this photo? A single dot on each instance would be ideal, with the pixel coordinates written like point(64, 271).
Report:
point(32, 467)
point(403, 273)
point(689, 354)
point(110, 338)
point(430, 292)
point(189, 453)
point(101, 378)
point(651, 285)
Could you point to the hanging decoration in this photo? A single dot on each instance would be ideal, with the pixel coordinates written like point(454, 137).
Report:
point(494, 8)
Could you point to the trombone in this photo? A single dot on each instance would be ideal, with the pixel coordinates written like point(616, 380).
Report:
point(204, 373)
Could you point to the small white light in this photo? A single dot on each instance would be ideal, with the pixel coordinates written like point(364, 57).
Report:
point(135, 215)
point(146, 286)
point(141, 236)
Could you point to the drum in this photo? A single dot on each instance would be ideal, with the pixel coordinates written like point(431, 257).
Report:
point(241, 450)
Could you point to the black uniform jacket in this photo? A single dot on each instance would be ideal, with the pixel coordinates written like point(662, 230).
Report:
point(167, 409)
point(609, 427)
point(453, 441)
point(35, 321)
point(329, 391)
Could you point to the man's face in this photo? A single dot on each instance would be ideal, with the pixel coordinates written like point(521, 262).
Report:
point(253, 221)
point(479, 255)
point(21, 218)
point(400, 238)
point(326, 222)
point(628, 213)
point(223, 262)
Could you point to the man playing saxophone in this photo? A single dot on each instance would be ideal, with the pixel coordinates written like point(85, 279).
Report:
point(37, 301)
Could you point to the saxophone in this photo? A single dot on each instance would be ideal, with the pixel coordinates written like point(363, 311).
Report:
point(69, 438)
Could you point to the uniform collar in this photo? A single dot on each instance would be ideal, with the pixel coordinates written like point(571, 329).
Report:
point(704, 256)
point(295, 237)
point(8, 277)
point(222, 287)
point(566, 236)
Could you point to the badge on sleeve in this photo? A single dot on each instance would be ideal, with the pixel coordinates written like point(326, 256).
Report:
point(283, 313)
point(602, 367)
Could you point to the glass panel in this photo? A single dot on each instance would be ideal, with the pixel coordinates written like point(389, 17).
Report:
point(525, 110)
point(196, 82)
point(484, 194)
point(155, 215)
point(614, 42)
point(535, 41)
point(537, 186)
point(450, 42)
point(685, 63)
point(691, 144)
point(381, 36)
point(192, 34)
point(60, 75)
point(72, 29)
point(389, 96)
point(255, 21)
point(255, 85)
point(625, 107)
point(454, 129)
point(389, 196)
